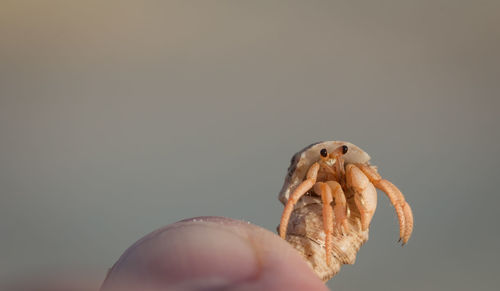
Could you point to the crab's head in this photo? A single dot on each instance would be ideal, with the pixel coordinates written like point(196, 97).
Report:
point(329, 158)
point(327, 152)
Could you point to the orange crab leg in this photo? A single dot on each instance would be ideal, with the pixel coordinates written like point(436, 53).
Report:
point(303, 187)
point(403, 209)
point(326, 196)
point(340, 207)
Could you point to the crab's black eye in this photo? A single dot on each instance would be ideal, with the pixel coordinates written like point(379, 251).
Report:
point(323, 153)
point(344, 149)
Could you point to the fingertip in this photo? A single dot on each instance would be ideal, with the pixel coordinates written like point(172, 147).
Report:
point(217, 251)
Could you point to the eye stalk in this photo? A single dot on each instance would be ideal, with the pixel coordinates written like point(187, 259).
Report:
point(323, 153)
point(339, 151)
point(344, 149)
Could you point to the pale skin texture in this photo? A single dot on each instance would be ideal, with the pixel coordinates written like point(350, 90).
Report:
point(211, 253)
point(203, 253)
point(333, 177)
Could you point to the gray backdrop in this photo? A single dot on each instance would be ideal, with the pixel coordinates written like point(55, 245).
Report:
point(117, 118)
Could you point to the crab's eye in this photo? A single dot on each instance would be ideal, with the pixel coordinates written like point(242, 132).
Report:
point(344, 149)
point(323, 153)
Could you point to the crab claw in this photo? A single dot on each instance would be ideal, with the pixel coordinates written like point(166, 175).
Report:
point(403, 209)
point(365, 195)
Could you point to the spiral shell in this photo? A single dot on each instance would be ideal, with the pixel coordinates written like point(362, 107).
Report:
point(305, 229)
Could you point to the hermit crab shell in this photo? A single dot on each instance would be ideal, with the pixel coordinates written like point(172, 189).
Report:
point(305, 229)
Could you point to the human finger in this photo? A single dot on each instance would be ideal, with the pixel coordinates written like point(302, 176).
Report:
point(212, 253)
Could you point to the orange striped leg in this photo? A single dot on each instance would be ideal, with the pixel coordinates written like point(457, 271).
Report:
point(303, 187)
point(403, 209)
point(340, 208)
point(326, 196)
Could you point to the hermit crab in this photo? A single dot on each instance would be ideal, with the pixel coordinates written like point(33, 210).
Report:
point(330, 198)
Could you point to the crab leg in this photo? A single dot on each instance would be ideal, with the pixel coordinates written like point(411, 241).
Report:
point(340, 208)
point(303, 187)
point(326, 196)
point(403, 210)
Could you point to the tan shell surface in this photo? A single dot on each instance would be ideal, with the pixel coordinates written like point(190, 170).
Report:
point(305, 229)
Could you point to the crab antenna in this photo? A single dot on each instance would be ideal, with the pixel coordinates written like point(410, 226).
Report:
point(338, 152)
point(339, 163)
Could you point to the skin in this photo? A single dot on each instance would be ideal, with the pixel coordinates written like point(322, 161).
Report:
point(211, 253)
point(203, 253)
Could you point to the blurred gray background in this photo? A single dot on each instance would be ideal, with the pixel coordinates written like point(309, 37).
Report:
point(119, 117)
